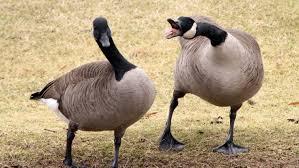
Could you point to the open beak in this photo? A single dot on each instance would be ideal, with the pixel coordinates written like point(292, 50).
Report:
point(174, 31)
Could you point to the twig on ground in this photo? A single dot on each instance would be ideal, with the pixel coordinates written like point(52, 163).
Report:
point(49, 130)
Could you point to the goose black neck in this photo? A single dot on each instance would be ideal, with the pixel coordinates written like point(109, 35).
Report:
point(215, 34)
point(119, 63)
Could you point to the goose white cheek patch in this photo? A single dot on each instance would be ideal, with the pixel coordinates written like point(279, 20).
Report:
point(191, 32)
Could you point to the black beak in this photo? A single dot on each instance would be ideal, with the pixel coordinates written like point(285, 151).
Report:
point(105, 40)
point(174, 24)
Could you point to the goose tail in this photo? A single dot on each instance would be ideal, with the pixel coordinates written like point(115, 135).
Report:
point(39, 95)
point(35, 96)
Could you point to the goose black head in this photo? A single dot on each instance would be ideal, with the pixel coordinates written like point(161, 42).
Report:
point(184, 26)
point(101, 31)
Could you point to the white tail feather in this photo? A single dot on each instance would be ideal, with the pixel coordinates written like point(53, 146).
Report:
point(53, 105)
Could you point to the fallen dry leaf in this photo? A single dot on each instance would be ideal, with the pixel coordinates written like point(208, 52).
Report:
point(150, 114)
point(293, 120)
point(294, 103)
point(61, 68)
point(251, 102)
point(217, 120)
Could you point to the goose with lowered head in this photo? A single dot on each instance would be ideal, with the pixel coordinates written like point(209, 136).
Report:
point(222, 66)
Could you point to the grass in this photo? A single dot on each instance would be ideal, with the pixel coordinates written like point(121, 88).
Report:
point(40, 40)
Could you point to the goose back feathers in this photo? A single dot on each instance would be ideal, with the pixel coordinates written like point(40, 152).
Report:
point(91, 96)
point(104, 95)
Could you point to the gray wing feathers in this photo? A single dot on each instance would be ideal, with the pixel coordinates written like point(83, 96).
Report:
point(77, 75)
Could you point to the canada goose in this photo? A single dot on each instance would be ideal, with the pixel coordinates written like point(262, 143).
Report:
point(106, 95)
point(221, 66)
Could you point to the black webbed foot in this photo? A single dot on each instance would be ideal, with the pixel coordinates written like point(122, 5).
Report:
point(230, 148)
point(168, 142)
point(69, 163)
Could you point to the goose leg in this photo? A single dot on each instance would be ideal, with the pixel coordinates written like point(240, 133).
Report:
point(229, 147)
point(68, 161)
point(167, 141)
point(117, 142)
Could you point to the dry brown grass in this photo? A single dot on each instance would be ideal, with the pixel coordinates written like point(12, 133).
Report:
point(41, 40)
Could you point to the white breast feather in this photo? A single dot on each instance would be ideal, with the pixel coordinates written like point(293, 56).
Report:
point(53, 105)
